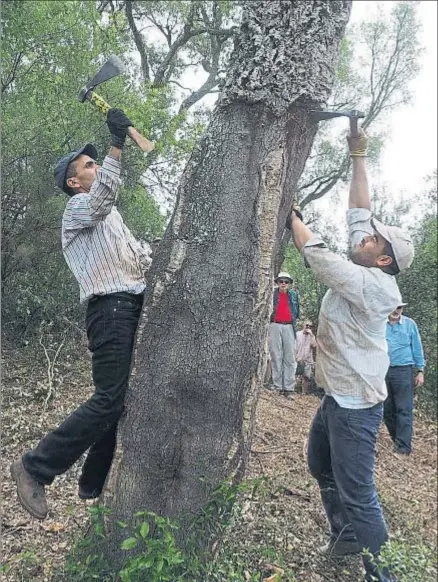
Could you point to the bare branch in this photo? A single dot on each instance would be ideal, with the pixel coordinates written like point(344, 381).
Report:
point(206, 88)
point(319, 192)
point(12, 73)
point(319, 179)
point(163, 72)
point(104, 3)
point(212, 66)
point(165, 31)
point(179, 85)
point(138, 41)
point(187, 33)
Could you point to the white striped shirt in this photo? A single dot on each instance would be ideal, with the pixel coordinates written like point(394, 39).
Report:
point(99, 248)
point(352, 357)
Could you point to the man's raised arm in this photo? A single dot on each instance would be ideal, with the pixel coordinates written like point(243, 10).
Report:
point(359, 191)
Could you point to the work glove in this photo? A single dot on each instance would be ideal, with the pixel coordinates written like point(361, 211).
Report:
point(118, 124)
point(358, 145)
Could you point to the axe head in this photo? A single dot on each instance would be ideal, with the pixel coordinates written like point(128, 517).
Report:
point(110, 69)
point(323, 115)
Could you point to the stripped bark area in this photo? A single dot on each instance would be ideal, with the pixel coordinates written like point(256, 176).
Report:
point(200, 353)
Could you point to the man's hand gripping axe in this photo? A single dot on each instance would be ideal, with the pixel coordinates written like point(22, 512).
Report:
point(110, 69)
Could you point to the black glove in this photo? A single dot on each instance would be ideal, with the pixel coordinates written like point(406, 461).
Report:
point(118, 124)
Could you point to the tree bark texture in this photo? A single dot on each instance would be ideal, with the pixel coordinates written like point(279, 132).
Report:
point(200, 353)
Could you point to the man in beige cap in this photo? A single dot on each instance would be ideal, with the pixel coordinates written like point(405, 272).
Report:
point(351, 364)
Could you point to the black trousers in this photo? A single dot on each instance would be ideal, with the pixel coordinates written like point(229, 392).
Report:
point(111, 322)
point(399, 405)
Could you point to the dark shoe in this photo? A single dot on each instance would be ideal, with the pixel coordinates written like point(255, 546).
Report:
point(399, 451)
point(340, 548)
point(288, 394)
point(85, 493)
point(30, 492)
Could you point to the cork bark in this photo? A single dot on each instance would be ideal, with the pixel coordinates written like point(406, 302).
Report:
point(200, 353)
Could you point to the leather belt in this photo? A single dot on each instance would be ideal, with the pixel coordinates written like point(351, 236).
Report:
point(120, 295)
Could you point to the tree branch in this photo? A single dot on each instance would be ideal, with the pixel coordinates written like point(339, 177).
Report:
point(319, 192)
point(212, 66)
point(11, 77)
point(163, 72)
point(138, 41)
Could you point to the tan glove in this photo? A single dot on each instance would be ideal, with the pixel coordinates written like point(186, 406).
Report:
point(358, 145)
point(297, 209)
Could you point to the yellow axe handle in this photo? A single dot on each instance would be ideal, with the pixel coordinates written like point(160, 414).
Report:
point(143, 143)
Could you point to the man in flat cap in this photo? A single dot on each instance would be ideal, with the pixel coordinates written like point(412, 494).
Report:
point(109, 265)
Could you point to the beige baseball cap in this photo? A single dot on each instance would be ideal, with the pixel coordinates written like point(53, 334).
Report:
point(402, 245)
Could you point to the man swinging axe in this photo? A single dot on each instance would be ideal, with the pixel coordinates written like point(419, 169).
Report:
point(351, 364)
point(109, 265)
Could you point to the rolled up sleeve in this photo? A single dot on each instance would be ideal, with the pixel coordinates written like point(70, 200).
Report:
point(87, 209)
point(335, 271)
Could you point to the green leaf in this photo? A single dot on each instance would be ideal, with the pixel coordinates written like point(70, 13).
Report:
point(129, 543)
point(144, 530)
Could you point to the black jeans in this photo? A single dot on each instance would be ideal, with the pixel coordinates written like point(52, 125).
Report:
point(397, 412)
point(111, 325)
point(341, 458)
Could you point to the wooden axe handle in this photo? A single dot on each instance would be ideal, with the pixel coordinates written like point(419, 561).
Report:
point(353, 127)
point(143, 143)
point(354, 118)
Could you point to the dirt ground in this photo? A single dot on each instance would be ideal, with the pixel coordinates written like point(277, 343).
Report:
point(290, 518)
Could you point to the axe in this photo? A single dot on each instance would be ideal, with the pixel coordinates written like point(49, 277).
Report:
point(110, 69)
point(353, 115)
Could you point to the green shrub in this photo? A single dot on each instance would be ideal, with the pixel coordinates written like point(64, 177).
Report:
point(153, 553)
point(408, 562)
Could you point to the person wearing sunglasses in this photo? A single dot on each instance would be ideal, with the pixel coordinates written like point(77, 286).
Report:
point(305, 344)
point(405, 355)
point(351, 365)
point(282, 332)
point(109, 265)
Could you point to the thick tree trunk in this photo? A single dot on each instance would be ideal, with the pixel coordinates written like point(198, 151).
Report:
point(200, 354)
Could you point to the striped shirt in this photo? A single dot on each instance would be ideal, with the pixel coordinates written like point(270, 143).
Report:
point(352, 357)
point(99, 249)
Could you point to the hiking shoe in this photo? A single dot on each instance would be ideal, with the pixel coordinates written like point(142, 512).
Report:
point(399, 451)
point(30, 492)
point(85, 493)
point(288, 394)
point(340, 548)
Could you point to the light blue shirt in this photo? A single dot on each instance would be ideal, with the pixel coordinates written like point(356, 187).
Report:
point(404, 343)
point(349, 401)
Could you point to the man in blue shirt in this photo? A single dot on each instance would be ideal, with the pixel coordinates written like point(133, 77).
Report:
point(405, 355)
